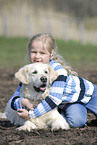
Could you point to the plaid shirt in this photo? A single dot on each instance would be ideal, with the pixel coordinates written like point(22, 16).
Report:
point(65, 89)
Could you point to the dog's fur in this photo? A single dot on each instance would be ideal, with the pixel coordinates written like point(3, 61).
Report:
point(36, 79)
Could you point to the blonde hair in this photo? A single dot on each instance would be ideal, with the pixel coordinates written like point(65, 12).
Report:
point(51, 47)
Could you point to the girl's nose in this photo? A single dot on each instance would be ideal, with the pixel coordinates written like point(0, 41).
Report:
point(37, 55)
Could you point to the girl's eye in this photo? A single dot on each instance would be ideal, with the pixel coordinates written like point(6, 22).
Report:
point(33, 52)
point(35, 72)
point(42, 53)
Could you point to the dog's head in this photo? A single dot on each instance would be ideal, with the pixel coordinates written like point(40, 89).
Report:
point(39, 75)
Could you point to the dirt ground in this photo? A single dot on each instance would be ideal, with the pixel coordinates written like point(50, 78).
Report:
point(75, 136)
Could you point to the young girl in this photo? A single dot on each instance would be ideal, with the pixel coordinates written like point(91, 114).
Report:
point(70, 93)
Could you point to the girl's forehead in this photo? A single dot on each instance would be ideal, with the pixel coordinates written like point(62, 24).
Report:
point(36, 42)
point(39, 45)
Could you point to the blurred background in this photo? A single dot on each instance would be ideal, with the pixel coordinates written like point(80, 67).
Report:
point(65, 19)
point(73, 23)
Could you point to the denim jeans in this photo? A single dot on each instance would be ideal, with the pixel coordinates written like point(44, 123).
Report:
point(92, 105)
point(76, 113)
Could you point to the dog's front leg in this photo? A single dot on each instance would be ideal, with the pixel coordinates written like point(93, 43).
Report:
point(28, 126)
point(57, 121)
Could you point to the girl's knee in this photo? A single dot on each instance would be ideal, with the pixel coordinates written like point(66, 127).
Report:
point(76, 114)
point(77, 122)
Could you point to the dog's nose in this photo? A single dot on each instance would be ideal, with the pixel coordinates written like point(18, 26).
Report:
point(43, 79)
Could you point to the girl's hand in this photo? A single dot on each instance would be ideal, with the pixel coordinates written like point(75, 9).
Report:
point(26, 103)
point(23, 113)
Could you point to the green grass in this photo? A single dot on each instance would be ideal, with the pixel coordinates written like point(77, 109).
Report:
point(77, 54)
point(13, 51)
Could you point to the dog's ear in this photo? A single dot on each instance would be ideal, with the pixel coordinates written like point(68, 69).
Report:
point(22, 75)
point(53, 74)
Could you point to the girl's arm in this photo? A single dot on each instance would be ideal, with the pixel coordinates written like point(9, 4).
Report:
point(15, 100)
point(56, 92)
point(51, 101)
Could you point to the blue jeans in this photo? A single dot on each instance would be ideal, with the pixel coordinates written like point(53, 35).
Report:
point(92, 105)
point(76, 113)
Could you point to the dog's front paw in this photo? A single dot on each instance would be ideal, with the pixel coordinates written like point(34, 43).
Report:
point(58, 124)
point(28, 126)
point(56, 127)
point(21, 128)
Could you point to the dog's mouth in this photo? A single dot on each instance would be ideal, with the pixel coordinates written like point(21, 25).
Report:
point(42, 88)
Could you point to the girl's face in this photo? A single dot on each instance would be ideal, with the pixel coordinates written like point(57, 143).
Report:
point(38, 53)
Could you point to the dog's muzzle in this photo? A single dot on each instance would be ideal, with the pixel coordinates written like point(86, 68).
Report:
point(43, 79)
point(42, 88)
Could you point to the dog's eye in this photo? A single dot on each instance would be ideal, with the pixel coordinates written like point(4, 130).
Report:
point(46, 72)
point(35, 72)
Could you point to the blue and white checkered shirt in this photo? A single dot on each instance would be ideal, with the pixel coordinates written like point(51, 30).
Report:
point(65, 89)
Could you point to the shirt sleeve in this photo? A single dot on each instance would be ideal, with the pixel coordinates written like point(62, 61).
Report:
point(55, 95)
point(15, 100)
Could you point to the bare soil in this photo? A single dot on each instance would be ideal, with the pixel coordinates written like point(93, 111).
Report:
point(75, 136)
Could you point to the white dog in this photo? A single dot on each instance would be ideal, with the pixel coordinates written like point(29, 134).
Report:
point(36, 79)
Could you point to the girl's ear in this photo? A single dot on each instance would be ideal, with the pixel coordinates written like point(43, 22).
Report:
point(22, 75)
point(52, 74)
point(52, 54)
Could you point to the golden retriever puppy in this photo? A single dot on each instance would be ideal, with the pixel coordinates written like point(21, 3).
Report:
point(36, 79)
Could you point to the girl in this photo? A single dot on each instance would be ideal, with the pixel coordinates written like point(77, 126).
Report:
point(70, 93)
